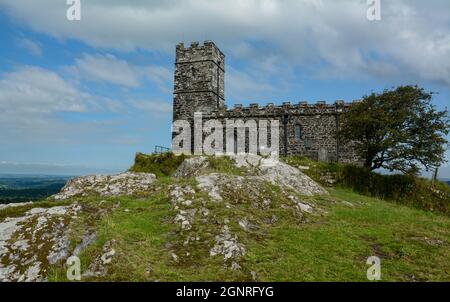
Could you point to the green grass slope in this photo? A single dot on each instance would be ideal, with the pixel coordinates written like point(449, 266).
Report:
point(331, 244)
point(404, 189)
point(413, 245)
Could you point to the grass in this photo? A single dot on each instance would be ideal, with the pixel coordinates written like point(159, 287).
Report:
point(335, 248)
point(162, 165)
point(330, 247)
point(318, 171)
point(20, 210)
point(404, 189)
point(139, 235)
point(223, 164)
point(332, 244)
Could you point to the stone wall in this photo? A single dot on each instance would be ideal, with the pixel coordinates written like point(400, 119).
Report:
point(199, 79)
point(318, 124)
point(199, 87)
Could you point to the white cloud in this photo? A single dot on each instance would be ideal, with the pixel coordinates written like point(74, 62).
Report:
point(152, 106)
point(160, 75)
point(40, 106)
point(247, 85)
point(109, 69)
point(325, 36)
point(31, 98)
point(31, 46)
point(32, 89)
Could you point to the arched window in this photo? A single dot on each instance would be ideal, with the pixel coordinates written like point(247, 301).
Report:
point(298, 132)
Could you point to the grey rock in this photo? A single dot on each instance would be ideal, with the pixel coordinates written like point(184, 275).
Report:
point(127, 183)
point(191, 167)
point(87, 240)
point(227, 245)
point(31, 231)
point(279, 173)
point(98, 266)
point(261, 169)
point(235, 266)
point(174, 257)
point(14, 205)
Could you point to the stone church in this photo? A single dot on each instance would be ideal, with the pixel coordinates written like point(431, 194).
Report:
point(304, 129)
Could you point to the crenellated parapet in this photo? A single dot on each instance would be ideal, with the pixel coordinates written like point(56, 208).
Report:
point(271, 110)
point(199, 82)
point(196, 52)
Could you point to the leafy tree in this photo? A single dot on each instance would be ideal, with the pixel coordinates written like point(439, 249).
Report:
point(399, 129)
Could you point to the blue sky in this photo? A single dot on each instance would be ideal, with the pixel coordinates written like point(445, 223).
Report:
point(83, 96)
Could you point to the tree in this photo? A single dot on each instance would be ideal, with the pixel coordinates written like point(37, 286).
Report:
point(398, 129)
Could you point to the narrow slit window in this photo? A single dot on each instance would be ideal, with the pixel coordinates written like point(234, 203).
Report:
point(298, 132)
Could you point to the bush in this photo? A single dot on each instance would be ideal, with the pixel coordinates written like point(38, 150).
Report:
point(405, 189)
point(159, 164)
point(321, 172)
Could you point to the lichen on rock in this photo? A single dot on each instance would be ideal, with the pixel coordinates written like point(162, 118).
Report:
point(227, 245)
point(279, 173)
point(191, 167)
point(127, 183)
point(32, 242)
point(258, 169)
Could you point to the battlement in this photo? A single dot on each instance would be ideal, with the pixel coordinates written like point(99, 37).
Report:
point(320, 105)
point(196, 52)
point(300, 108)
point(199, 83)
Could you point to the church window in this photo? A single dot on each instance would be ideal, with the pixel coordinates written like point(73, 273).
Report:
point(298, 132)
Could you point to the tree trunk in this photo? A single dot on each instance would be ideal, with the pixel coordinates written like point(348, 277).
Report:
point(368, 164)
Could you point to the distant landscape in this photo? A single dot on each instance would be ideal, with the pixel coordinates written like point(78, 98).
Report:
point(24, 188)
point(446, 181)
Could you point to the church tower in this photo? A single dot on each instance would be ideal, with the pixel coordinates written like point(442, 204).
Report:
point(199, 80)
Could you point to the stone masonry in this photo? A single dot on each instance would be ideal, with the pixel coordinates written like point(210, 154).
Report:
point(305, 129)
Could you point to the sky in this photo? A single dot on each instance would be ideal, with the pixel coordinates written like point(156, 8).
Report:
point(78, 96)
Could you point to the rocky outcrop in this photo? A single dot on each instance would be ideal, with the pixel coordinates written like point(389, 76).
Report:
point(32, 242)
point(279, 173)
point(192, 213)
point(98, 267)
point(15, 205)
point(258, 169)
point(220, 187)
point(227, 245)
point(41, 238)
point(191, 167)
point(214, 214)
point(205, 202)
point(128, 183)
